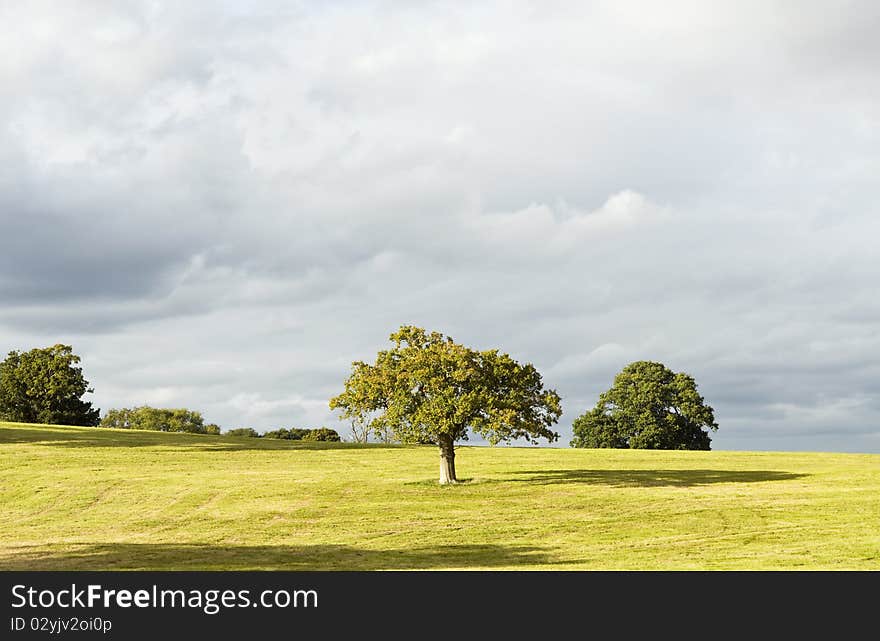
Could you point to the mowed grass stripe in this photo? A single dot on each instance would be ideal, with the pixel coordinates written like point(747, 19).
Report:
point(86, 498)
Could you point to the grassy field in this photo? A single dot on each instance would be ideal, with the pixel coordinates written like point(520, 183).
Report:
point(83, 498)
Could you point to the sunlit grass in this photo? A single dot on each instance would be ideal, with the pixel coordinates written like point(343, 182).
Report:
point(86, 498)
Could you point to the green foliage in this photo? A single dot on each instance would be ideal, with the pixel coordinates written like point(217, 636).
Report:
point(45, 386)
point(158, 419)
point(322, 434)
point(430, 389)
point(243, 431)
point(648, 407)
point(292, 434)
point(302, 434)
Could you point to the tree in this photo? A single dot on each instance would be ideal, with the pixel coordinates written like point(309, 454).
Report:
point(158, 419)
point(304, 434)
point(44, 385)
point(322, 434)
point(360, 431)
point(648, 407)
point(429, 389)
point(243, 431)
point(292, 434)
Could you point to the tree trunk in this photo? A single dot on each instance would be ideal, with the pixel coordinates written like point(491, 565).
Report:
point(447, 460)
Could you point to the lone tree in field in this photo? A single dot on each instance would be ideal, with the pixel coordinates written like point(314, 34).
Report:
point(45, 386)
point(648, 407)
point(430, 389)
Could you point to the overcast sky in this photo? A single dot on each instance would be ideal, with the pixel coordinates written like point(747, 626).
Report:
point(220, 205)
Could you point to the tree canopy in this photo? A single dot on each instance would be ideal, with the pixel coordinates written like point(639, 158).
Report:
point(429, 389)
point(159, 420)
point(44, 385)
point(243, 431)
point(304, 434)
point(648, 407)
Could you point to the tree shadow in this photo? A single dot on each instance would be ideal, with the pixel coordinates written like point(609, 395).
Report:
point(653, 478)
point(91, 437)
point(145, 556)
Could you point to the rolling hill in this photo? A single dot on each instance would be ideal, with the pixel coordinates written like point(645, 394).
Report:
point(88, 498)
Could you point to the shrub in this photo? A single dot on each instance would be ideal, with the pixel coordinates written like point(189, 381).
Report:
point(243, 431)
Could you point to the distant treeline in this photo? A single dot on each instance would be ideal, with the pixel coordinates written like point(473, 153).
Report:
point(159, 420)
point(292, 434)
point(184, 420)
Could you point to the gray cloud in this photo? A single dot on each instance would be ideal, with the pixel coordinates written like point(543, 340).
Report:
point(222, 207)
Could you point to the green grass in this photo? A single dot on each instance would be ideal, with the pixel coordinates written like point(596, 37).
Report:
point(83, 498)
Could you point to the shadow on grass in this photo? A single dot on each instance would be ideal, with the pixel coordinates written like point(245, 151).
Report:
point(435, 482)
point(145, 556)
point(100, 437)
point(652, 478)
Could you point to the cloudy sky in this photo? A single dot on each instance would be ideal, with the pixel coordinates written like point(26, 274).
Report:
point(220, 205)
